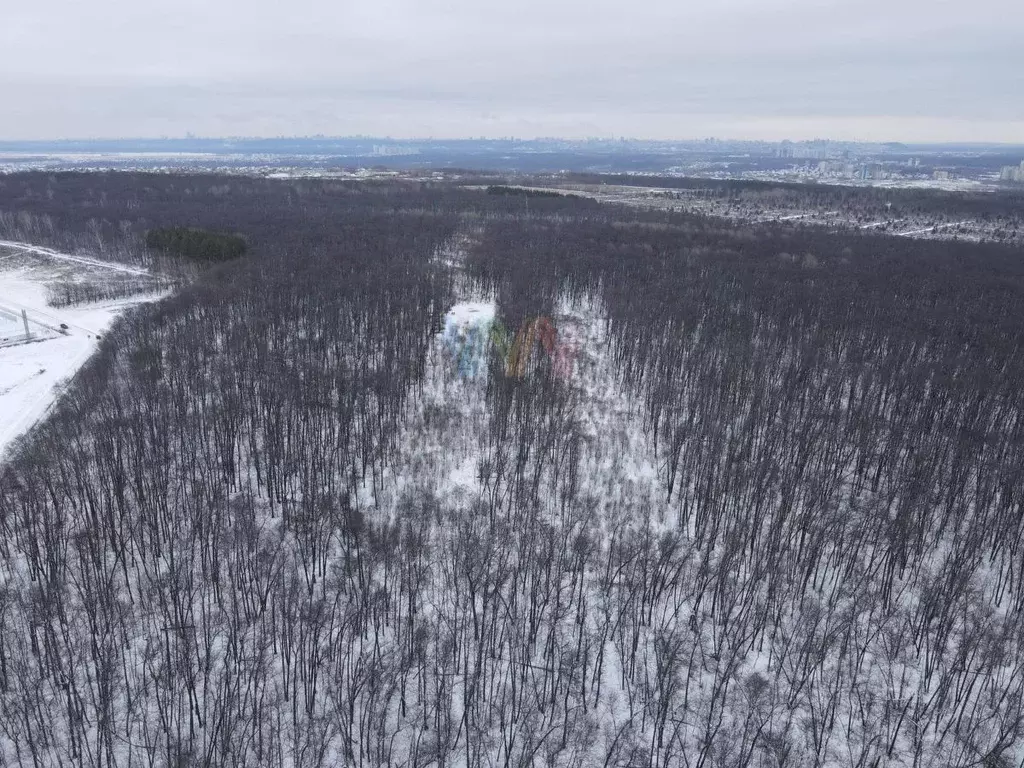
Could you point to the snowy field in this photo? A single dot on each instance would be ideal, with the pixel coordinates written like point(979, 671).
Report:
point(33, 370)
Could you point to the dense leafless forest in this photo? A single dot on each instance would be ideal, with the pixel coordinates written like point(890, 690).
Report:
point(770, 514)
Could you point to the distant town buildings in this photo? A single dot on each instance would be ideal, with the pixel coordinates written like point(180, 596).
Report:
point(393, 150)
point(1012, 173)
point(845, 170)
point(810, 150)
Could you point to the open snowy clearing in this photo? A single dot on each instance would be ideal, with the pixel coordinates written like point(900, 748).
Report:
point(33, 370)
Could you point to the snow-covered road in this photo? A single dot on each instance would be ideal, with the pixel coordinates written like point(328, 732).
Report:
point(933, 228)
point(83, 260)
point(32, 374)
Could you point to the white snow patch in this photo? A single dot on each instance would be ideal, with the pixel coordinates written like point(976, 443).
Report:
point(469, 313)
point(465, 475)
point(32, 374)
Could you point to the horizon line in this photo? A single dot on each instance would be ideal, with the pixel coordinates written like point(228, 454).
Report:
point(511, 139)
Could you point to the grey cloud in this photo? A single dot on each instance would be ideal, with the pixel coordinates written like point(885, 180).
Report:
point(450, 67)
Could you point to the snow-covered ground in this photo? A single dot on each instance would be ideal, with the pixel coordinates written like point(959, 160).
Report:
point(33, 371)
point(87, 261)
point(11, 325)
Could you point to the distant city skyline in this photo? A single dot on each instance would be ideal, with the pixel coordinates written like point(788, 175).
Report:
point(845, 131)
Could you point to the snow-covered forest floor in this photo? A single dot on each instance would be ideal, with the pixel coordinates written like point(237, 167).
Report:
point(441, 481)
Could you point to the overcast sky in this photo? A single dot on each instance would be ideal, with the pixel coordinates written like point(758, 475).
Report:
point(925, 70)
